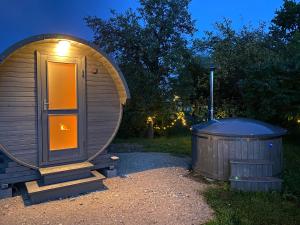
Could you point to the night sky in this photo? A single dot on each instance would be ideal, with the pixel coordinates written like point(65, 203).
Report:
point(20, 19)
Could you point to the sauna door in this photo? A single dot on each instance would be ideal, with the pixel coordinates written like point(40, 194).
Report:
point(62, 107)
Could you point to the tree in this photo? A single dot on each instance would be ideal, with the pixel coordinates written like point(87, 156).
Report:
point(149, 45)
point(286, 21)
point(285, 36)
point(254, 77)
point(235, 55)
point(192, 85)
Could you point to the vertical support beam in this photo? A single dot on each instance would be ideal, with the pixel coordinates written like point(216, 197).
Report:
point(5, 191)
point(211, 101)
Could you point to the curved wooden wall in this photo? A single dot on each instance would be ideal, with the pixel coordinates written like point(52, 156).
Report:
point(18, 101)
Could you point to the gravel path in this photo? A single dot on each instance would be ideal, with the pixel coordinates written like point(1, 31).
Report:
point(152, 189)
point(141, 161)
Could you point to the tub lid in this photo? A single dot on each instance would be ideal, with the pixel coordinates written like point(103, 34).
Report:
point(240, 127)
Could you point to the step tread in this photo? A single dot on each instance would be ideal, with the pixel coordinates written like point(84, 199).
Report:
point(33, 187)
point(64, 168)
point(251, 161)
point(256, 179)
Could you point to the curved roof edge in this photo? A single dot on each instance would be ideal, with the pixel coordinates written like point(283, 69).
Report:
point(40, 37)
point(238, 127)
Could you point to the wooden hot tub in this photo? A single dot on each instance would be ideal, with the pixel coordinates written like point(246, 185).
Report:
point(237, 148)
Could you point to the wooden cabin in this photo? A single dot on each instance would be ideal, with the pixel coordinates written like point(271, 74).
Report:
point(61, 101)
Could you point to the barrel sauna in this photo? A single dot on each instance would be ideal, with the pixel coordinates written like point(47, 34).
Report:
point(61, 102)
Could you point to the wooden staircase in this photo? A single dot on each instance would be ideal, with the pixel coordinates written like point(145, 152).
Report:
point(253, 175)
point(64, 181)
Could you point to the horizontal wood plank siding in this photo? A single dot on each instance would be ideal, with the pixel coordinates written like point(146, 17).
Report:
point(11, 172)
point(18, 110)
point(103, 106)
point(18, 105)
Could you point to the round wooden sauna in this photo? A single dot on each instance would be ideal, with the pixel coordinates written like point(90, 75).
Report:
point(219, 143)
point(61, 101)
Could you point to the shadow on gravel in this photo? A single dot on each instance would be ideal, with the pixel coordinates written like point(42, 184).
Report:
point(141, 161)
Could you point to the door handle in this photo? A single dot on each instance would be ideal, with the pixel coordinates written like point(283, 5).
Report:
point(45, 105)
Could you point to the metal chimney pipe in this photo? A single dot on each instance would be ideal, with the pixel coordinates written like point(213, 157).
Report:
point(211, 85)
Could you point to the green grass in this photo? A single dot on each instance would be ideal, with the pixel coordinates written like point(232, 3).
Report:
point(237, 208)
point(176, 145)
point(291, 173)
point(251, 208)
point(261, 208)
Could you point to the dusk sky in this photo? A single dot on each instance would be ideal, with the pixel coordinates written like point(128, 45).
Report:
point(20, 19)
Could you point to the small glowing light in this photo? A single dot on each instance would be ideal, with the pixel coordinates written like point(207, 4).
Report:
point(298, 120)
point(176, 97)
point(64, 127)
point(63, 48)
point(270, 145)
point(179, 117)
point(150, 120)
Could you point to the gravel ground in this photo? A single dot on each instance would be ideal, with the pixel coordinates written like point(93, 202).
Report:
point(152, 189)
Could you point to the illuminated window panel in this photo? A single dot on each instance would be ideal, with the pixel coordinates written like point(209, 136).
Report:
point(62, 132)
point(61, 81)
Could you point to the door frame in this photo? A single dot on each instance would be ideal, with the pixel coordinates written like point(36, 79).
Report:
point(45, 158)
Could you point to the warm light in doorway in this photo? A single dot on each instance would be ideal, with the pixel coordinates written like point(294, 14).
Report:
point(63, 47)
point(63, 127)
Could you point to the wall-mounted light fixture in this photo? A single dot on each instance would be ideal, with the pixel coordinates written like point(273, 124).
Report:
point(95, 71)
point(63, 47)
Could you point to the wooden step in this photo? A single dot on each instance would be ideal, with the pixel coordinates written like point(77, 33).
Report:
point(38, 193)
point(262, 184)
point(5, 191)
point(65, 168)
point(251, 168)
point(58, 174)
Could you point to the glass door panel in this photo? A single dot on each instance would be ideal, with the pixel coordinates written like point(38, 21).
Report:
point(62, 87)
point(62, 106)
point(62, 132)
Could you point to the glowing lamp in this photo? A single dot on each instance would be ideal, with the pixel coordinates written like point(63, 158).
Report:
point(63, 48)
point(64, 127)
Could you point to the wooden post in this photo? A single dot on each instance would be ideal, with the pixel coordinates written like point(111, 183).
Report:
point(150, 130)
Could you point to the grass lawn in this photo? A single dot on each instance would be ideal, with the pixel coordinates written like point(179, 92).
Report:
point(176, 145)
point(261, 208)
point(233, 208)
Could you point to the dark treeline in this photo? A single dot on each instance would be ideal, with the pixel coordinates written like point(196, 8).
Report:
point(257, 68)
